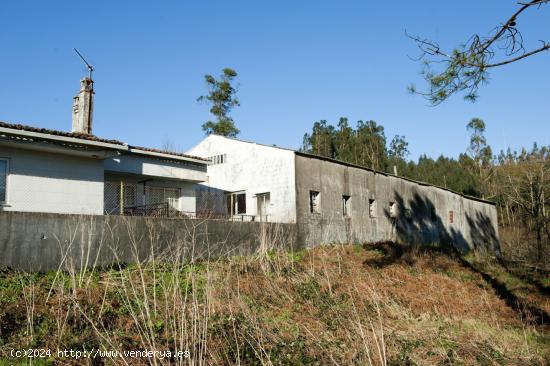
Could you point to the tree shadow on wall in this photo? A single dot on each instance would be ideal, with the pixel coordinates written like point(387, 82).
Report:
point(418, 229)
point(483, 234)
point(418, 222)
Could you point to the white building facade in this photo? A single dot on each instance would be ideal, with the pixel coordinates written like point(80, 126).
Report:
point(256, 180)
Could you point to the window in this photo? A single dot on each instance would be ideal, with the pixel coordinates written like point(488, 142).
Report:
point(346, 205)
point(236, 203)
point(3, 180)
point(314, 202)
point(372, 208)
point(393, 210)
point(451, 217)
point(218, 159)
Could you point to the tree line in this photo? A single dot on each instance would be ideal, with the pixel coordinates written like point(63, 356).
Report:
point(519, 182)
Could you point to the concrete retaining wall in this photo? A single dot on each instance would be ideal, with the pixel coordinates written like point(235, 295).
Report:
point(43, 242)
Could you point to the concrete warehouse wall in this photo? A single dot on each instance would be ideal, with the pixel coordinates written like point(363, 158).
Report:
point(43, 242)
point(47, 182)
point(422, 212)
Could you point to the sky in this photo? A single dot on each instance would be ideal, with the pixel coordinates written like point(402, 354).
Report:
point(298, 62)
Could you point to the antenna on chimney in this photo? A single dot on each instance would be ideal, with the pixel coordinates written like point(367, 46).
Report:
point(90, 67)
point(83, 102)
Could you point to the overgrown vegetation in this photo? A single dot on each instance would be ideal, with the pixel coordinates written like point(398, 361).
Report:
point(368, 305)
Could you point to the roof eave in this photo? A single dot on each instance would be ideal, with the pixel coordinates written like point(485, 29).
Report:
point(166, 156)
point(65, 139)
point(313, 156)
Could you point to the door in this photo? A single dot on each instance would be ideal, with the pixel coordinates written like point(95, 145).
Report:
point(263, 201)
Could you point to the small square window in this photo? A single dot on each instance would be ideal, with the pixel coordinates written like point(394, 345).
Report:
point(372, 208)
point(346, 205)
point(451, 217)
point(314, 202)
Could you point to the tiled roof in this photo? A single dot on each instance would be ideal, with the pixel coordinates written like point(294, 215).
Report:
point(77, 135)
point(87, 137)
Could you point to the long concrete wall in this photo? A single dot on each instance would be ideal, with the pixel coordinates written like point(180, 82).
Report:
point(43, 242)
point(424, 213)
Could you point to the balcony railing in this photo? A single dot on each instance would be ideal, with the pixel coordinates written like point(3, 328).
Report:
point(151, 210)
point(166, 210)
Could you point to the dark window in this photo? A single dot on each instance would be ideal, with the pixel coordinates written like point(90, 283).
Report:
point(451, 217)
point(314, 202)
point(241, 204)
point(3, 179)
point(230, 205)
point(346, 205)
point(236, 203)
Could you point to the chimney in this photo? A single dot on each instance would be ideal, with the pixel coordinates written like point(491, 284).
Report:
point(83, 107)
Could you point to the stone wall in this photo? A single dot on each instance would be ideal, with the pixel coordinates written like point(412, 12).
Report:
point(43, 242)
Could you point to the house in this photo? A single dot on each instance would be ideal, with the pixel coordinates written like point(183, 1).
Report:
point(76, 172)
point(332, 201)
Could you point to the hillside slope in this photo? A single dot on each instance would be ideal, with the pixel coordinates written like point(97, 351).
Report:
point(378, 304)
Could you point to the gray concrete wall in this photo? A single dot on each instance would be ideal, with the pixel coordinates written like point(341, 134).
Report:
point(47, 182)
point(423, 211)
point(43, 242)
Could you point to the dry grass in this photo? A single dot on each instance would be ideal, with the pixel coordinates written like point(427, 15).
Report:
point(337, 305)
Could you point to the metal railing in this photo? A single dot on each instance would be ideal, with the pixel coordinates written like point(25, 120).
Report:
point(152, 210)
point(224, 217)
point(166, 210)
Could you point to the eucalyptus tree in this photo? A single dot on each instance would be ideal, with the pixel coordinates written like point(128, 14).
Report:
point(221, 95)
